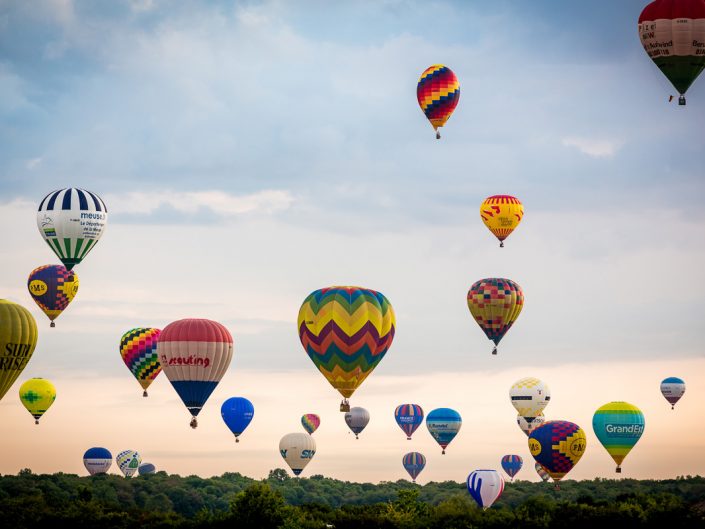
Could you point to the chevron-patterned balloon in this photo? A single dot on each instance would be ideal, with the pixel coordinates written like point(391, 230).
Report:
point(138, 348)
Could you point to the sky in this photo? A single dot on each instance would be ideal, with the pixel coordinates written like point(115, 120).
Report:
point(252, 152)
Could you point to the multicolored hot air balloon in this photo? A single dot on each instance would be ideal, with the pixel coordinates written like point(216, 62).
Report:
point(558, 446)
point(545, 476)
point(18, 338)
point(529, 396)
point(673, 34)
point(408, 417)
point(37, 395)
point(618, 426)
point(195, 354)
point(495, 303)
point(501, 214)
point(138, 349)
point(526, 426)
point(146, 468)
point(128, 461)
point(52, 288)
point(357, 419)
point(71, 221)
point(97, 460)
point(414, 463)
point(346, 331)
point(237, 412)
point(672, 389)
point(310, 422)
point(438, 93)
point(512, 465)
point(297, 449)
point(485, 486)
point(443, 424)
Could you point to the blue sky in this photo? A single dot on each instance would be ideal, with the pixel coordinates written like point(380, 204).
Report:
point(251, 152)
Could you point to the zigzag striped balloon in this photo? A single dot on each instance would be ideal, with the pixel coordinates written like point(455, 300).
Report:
point(138, 348)
point(438, 93)
point(346, 331)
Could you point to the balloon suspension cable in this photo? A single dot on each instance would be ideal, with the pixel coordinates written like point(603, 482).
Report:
point(501, 244)
point(194, 423)
point(52, 324)
point(144, 393)
point(438, 134)
point(618, 470)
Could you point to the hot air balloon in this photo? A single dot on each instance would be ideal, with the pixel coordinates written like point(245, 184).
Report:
point(37, 395)
point(194, 355)
point(146, 468)
point(346, 331)
point(485, 486)
point(18, 338)
point(97, 460)
point(672, 388)
point(414, 463)
point(297, 449)
point(128, 461)
point(545, 476)
point(558, 446)
point(438, 93)
point(512, 465)
point(356, 419)
point(310, 422)
point(495, 303)
point(529, 396)
point(138, 349)
point(71, 221)
point(501, 214)
point(52, 287)
point(443, 424)
point(237, 412)
point(408, 417)
point(526, 427)
point(618, 426)
point(673, 34)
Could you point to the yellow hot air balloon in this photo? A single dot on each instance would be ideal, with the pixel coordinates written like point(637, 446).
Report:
point(37, 395)
point(18, 338)
point(501, 214)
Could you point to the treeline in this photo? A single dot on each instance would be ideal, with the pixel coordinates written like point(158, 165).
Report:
point(232, 500)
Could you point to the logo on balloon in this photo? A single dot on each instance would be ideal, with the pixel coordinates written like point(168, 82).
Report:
point(534, 447)
point(38, 287)
point(576, 447)
point(619, 430)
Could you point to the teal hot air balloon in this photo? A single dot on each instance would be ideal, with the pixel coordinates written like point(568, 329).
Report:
point(443, 424)
point(618, 426)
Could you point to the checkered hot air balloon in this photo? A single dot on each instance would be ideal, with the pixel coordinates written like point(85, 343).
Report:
point(673, 35)
point(346, 331)
point(557, 446)
point(495, 303)
point(438, 93)
point(52, 288)
point(138, 349)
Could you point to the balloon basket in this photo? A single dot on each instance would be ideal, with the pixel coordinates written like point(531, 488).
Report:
point(36, 421)
point(438, 134)
point(52, 324)
point(345, 406)
point(194, 423)
point(618, 470)
point(144, 393)
point(681, 101)
point(237, 440)
point(501, 244)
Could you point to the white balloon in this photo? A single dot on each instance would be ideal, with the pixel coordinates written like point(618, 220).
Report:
point(297, 449)
point(485, 486)
point(529, 396)
point(356, 419)
point(128, 461)
point(526, 426)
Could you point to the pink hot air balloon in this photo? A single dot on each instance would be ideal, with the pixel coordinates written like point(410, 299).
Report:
point(194, 355)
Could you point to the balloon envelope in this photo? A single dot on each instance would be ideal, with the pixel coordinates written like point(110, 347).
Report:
point(414, 463)
point(618, 426)
point(501, 214)
point(438, 93)
point(237, 412)
point(52, 288)
point(18, 338)
point(310, 422)
point(146, 468)
point(297, 449)
point(128, 461)
point(37, 395)
point(672, 389)
point(409, 417)
point(512, 464)
point(443, 424)
point(138, 349)
point(357, 419)
point(346, 331)
point(526, 426)
point(529, 396)
point(558, 446)
point(545, 476)
point(485, 486)
point(97, 460)
point(495, 303)
point(71, 221)
point(195, 354)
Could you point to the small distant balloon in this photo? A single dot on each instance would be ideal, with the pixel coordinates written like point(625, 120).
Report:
point(138, 349)
point(443, 424)
point(52, 288)
point(310, 422)
point(501, 214)
point(409, 417)
point(237, 412)
point(297, 449)
point(672, 388)
point(128, 461)
point(414, 463)
point(357, 419)
point(438, 93)
point(146, 468)
point(495, 303)
point(37, 395)
point(485, 487)
point(512, 464)
point(97, 460)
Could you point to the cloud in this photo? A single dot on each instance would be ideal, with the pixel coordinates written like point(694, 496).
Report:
point(596, 148)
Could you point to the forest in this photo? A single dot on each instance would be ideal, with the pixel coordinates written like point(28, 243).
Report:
point(161, 500)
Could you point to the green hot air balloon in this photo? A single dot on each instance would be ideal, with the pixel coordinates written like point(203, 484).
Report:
point(618, 426)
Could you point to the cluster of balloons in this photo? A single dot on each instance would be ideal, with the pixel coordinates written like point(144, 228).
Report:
point(98, 460)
